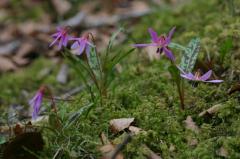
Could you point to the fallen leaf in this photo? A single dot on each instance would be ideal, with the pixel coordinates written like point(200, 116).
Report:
point(6, 65)
point(23, 144)
point(120, 124)
point(9, 48)
point(61, 6)
point(234, 88)
point(135, 130)
point(191, 125)
point(150, 154)
point(108, 148)
point(214, 109)
point(192, 142)
point(222, 152)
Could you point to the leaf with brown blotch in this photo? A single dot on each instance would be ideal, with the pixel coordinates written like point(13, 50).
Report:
point(120, 124)
point(191, 125)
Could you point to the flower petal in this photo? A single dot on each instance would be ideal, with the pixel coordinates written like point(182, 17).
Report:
point(153, 34)
point(188, 76)
point(206, 76)
point(81, 47)
point(169, 37)
point(214, 81)
point(169, 53)
point(144, 45)
point(75, 45)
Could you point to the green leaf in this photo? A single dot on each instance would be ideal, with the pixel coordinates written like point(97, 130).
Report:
point(76, 115)
point(190, 55)
point(113, 38)
point(94, 62)
point(176, 46)
point(2, 140)
point(225, 48)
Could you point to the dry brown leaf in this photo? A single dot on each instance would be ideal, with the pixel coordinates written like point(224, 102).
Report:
point(20, 61)
point(108, 148)
point(192, 142)
point(222, 152)
point(31, 28)
point(6, 65)
point(9, 48)
point(61, 6)
point(150, 154)
point(25, 49)
point(191, 125)
point(120, 124)
point(104, 18)
point(135, 130)
point(214, 109)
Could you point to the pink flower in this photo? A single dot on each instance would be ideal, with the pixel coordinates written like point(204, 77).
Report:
point(61, 37)
point(160, 42)
point(197, 77)
point(36, 102)
point(82, 44)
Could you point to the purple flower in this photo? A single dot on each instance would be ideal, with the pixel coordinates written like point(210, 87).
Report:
point(36, 102)
point(197, 77)
point(61, 37)
point(160, 42)
point(82, 44)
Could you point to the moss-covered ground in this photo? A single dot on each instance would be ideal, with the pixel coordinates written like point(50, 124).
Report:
point(144, 90)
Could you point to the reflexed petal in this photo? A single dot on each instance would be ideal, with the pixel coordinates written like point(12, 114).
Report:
point(188, 76)
point(153, 34)
point(169, 54)
point(206, 76)
point(75, 45)
point(55, 35)
point(55, 41)
point(65, 40)
point(214, 81)
point(81, 47)
point(169, 37)
point(60, 43)
point(144, 45)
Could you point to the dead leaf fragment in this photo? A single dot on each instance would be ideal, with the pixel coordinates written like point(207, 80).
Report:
point(61, 6)
point(9, 48)
point(120, 124)
point(108, 148)
point(150, 154)
point(214, 109)
point(234, 88)
point(135, 130)
point(191, 125)
point(6, 65)
point(222, 152)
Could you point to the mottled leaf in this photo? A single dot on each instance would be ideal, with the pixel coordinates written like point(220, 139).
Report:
point(190, 55)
